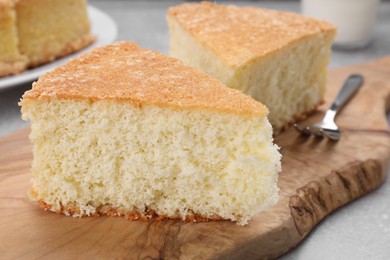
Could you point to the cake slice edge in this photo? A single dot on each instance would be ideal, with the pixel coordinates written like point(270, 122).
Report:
point(244, 168)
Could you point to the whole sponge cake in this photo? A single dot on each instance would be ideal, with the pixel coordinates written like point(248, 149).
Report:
point(128, 131)
point(33, 32)
point(11, 60)
point(49, 29)
point(276, 57)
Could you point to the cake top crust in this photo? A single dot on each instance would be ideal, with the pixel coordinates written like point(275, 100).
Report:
point(126, 72)
point(240, 34)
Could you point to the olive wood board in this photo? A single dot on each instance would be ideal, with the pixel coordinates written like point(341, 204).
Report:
point(318, 176)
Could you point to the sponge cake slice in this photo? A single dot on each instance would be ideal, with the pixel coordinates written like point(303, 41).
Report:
point(276, 57)
point(128, 131)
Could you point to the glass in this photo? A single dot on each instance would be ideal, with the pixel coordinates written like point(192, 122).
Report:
point(354, 19)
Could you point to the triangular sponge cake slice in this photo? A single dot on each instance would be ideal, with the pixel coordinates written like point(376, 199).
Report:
point(278, 58)
point(128, 131)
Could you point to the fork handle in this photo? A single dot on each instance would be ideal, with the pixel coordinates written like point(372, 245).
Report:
point(350, 87)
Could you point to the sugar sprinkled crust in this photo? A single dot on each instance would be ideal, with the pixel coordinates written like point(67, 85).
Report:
point(125, 72)
point(244, 34)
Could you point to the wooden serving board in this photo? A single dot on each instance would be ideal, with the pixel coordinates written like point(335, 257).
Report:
point(318, 176)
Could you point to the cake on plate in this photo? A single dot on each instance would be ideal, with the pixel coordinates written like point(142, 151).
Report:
point(278, 58)
point(127, 131)
point(49, 29)
point(35, 32)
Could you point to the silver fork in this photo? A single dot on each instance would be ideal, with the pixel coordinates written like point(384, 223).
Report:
point(327, 127)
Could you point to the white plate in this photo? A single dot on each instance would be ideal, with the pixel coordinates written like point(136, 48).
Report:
point(102, 26)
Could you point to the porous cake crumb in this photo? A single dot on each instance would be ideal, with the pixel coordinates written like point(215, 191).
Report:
point(126, 131)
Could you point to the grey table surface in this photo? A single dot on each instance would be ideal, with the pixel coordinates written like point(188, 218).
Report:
point(360, 230)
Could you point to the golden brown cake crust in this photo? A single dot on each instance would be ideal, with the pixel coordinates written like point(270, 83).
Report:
point(239, 35)
point(125, 72)
point(108, 210)
point(70, 47)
